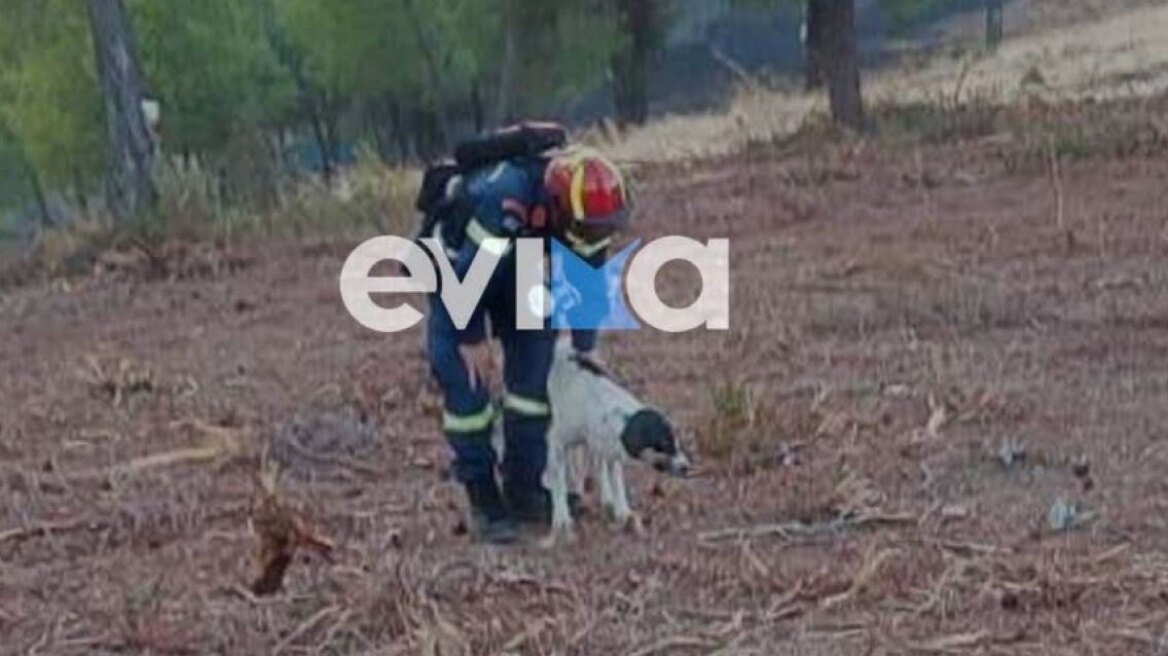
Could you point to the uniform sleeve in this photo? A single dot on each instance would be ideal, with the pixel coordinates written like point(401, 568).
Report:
point(500, 212)
point(476, 329)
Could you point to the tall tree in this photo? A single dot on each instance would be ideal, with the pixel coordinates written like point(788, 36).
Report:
point(18, 177)
point(994, 28)
point(840, 59)
point(130, 147)
point(213, 69)
point(49, 99)
point(812, 45)
point(430, 52)
point(641, 22)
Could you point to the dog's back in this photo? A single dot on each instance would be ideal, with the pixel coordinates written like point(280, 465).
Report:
point(587, 405)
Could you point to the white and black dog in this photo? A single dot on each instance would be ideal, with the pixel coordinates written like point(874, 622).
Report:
point(592, 410)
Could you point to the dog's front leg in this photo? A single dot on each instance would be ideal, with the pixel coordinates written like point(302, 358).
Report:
point(622, 513)
point(600, 465)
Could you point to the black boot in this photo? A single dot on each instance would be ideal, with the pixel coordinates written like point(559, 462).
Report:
point(529, 505)
point(493, 524)
point(534, 506)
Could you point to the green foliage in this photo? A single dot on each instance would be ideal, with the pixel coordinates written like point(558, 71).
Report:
point(566, 48)
point(48, 90)
point(241, 83)
point(213, 69)
point(14, 184)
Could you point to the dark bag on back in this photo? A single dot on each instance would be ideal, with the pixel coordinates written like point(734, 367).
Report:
point(441, 198)
point(435, 181)
point(522, 140)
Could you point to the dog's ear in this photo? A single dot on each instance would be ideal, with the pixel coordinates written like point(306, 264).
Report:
point(647, 430)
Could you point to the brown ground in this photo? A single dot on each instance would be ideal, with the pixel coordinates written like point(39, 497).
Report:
point(900, 313)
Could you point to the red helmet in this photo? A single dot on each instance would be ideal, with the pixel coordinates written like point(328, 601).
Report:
point(589, 196)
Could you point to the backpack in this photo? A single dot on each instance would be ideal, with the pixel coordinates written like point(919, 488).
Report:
point(442, 198)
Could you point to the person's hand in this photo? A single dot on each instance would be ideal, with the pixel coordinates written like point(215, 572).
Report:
point(480, 362)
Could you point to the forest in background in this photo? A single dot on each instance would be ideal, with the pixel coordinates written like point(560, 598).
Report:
point(253, 93)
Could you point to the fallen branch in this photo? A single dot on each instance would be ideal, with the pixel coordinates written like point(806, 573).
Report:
point(222, 443)
point(675, 642)
point(1142, 637)
point(964, 548)
point(530, 631)
point(735, 69)
point(951, 643)
point(862, 579)
point(45, 528)
point(305, 626)
point(792, 530)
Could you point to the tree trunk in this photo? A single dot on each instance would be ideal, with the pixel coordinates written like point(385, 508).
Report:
point(994, 27)
point(331, 137)
point(505, 103)
point(319, 133)
point(430, 57)
point(632, 62)
point(377, 120)
point(813, 45)
point(129, 181)
point(400, 131)
point(478, 112)
point(840, 60)
point(38, 193)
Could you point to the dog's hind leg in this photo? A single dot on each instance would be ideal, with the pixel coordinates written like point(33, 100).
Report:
point(557, 475)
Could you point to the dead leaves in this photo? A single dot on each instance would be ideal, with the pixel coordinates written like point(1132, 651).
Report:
point(115, 380)
point(174, 260)
point(863, 579)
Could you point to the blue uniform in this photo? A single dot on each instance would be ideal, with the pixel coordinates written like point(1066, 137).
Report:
point(503, 200)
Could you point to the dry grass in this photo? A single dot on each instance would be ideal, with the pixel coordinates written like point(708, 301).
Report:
point(1119, 55)
point(196, 232)
point(850, 497)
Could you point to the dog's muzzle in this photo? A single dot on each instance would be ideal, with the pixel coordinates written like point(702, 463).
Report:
point(675, 465)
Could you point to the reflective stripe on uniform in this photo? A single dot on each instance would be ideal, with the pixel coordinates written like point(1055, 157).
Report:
point(526, 406)
point(498, 172)
point(485, 239)
point(472, 423)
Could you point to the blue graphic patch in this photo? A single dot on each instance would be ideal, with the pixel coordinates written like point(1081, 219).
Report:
point(587, 297)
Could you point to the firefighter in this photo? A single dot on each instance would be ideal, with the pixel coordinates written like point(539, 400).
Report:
point(574, 195)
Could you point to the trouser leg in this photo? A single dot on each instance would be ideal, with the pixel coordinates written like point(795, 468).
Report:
point(526, 412)
point(467, 418)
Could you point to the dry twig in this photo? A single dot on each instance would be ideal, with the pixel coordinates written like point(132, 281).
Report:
point(793, 530)
point(673, 643)
point(45, 528)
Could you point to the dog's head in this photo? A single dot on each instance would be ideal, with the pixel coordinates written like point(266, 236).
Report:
point(649, 437)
